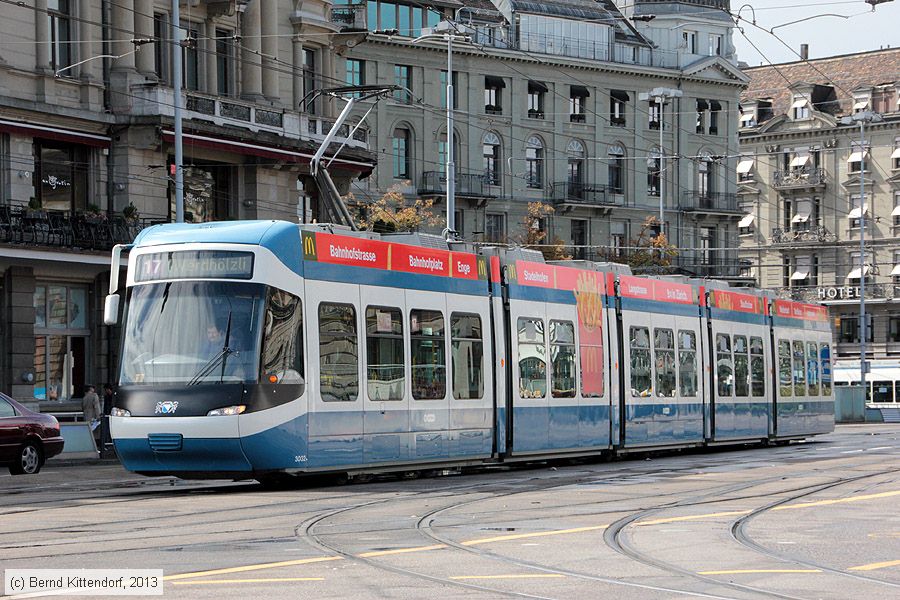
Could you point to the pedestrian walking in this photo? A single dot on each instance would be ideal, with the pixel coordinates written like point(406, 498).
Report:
point(90, 406)
point(108, 397)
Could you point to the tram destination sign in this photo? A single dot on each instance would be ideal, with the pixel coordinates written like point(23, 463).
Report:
point(194, 264)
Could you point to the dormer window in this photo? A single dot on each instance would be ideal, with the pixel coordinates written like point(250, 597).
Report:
point(748, 119)
point(800, 108)
point(860, 104)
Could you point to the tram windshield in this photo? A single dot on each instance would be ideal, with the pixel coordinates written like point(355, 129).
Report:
point(193, 332)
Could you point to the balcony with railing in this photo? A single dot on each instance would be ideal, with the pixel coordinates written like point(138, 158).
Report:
point(813, 234)
point(234, 114)
point(57, 229)
point(802, 178)
point(466, 184)
point(566, 193)
point(710, 202)
point(350, 17)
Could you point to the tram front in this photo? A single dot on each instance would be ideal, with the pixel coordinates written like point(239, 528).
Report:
point(211, 368)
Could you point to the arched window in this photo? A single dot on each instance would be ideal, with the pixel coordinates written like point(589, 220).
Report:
point(654, 164)
point(534, 162)
point(705, 177)
point(400, 146)
point(617, 168)
point(575, 153)
point(491, 153)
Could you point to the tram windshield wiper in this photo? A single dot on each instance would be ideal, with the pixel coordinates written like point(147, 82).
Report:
point(220, 357)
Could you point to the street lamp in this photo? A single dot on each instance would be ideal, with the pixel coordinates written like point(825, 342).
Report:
point(446, 30)
point(862, 118)
point(660, 95)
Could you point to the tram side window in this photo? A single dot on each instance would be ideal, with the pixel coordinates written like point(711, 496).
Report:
point(562, 357)
point(687, 364)
point(812, 369)
point(785, 376)
point(724, 366)
point(825, 354)
point(466, 356)
point(741, 367)
point(532, 358)
point(757, 368)
point(799, 369)
point(282, 354)
point(385, 364)
point(664, 347)
point(338, 353)
point(641, 376)
point(429, 363)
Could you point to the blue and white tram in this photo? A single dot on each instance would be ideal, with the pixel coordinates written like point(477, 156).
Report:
point(259, 348)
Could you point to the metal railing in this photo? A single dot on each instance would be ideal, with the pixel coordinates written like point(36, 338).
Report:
point(583, 194)
point(466, 184)
point(65, 229)
point(814, 233)
point(802, 177)
point(350, 16)
point(716, 202)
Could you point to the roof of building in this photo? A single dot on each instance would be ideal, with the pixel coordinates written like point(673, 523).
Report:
point(846, 73)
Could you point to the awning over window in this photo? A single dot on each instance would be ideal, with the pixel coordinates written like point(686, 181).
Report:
point(861, 105)
point(896, 153)
point(800, 103)
point(492, 81)
point(854, 274)
point(537, 86)
point(856, 213)
point(896, 211)
point(896, 271)
point(802, 216)
point(59, 134)
point(747, 117)
point(579, 90)
point(800, 160)
point(619, 95)
point(855, 157)
point(747, 221)
point(745, 166)
point(800, 274)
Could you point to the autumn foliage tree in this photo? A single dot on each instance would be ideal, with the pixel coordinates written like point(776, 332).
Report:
point(534, 236)
point(650, 253)
point(393, 212)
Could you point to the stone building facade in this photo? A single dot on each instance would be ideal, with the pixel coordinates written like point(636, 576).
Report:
point(86, 153)
point(799, 183)
point(548, 108)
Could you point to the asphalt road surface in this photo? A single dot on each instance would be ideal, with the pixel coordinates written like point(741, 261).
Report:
point(807, 521)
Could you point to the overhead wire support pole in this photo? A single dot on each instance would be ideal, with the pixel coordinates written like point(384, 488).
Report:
point(179, 137)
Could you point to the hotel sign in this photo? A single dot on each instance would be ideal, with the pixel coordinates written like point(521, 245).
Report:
point(839, 293)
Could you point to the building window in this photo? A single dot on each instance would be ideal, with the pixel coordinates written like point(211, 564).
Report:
point(494, 227)
point(702, 106)
point(654, 164)
point(617, 239)
point(849, 329)
point(707, 244)
point(715, 45)
point(895, 272)
point(745, 169)
point(224, 62)
point(857, 210)
point(894, 329)
point(493, 86)
point(579, 238)
point(745, 225)
point(356, 72)
point(803, 212)
point(61, 175)
point(655, 115)
point(61, 328)
point(403, 78)
point(534, 162)
point(896, 212)
point(190, 58)
point(895, 156)
point(491, 153)
point(536, 93)
point(575, 167)
point(161, 47)
point(689, 41)
point(309, 80)
point(443, 90)
point(705, 177)
point(858, 160)
point(883, 100)
point(800, 108)
point(856, 271)
point(400, 143)
point(618, 100)
point(715, 108)
point(58, 16)
point(616, 169)
point(578, 95)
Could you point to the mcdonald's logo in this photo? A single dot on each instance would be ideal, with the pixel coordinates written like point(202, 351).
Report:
point(482, 269)
point(309, 246)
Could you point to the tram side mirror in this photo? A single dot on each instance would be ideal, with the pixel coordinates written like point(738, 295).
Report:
point(111, 310)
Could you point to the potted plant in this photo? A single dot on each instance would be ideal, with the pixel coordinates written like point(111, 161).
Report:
point(93, 214)
point(131, 214)
point(35, 208)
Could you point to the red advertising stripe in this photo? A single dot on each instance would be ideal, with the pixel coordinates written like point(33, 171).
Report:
point(356, 252)
point(814, 312)
point(635, 287)
point(424, 261)
point(783, 308)
point(495, 269)
point(677, 293)
point(463, 265)
point(535, 274)
point(737, 301)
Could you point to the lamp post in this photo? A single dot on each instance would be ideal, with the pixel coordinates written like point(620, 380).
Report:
point(445, 30)
point(862, 118)
point(660, 95)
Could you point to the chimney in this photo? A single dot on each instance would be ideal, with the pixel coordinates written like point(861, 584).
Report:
point(804, 51)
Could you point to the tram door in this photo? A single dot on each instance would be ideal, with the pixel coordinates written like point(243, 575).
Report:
point(385, 389)
point(335, 373)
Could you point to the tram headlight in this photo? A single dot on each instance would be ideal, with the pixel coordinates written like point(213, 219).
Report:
point(227, 411)
point(119, 412)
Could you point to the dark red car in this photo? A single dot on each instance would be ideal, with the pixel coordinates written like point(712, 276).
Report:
point(27, 438)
